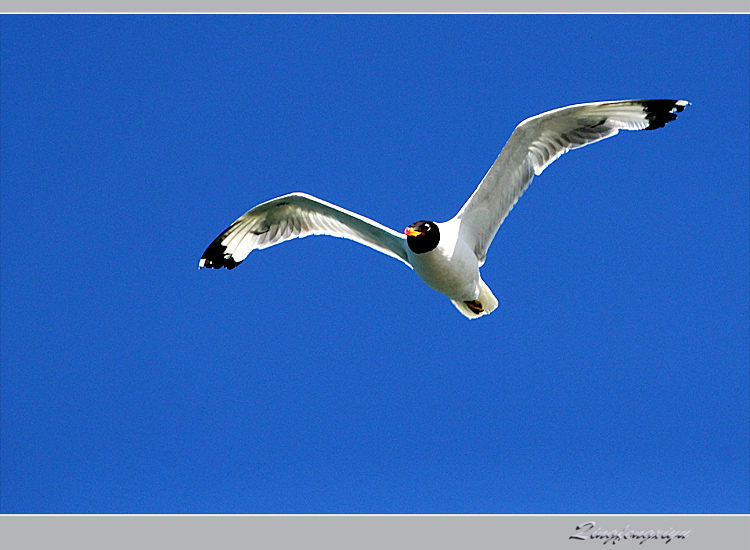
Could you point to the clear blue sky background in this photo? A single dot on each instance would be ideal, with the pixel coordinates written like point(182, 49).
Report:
point(321, 376)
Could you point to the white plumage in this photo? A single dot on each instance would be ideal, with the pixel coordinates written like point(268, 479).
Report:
point(447, 255)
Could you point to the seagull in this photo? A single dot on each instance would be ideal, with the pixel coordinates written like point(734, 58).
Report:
point(447, 255)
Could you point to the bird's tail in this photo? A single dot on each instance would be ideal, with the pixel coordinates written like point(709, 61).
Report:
point(483, 305)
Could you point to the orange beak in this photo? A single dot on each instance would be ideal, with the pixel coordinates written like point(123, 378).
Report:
point(411, 232)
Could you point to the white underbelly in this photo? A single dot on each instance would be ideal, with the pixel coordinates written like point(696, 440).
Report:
point(454, 273)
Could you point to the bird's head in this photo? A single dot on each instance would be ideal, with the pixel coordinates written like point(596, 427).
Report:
point(422, 236)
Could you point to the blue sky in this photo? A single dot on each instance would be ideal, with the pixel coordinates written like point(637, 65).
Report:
point(320, 376)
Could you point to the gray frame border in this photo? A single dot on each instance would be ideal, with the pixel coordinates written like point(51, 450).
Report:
point(390, 6)
point(699, 532)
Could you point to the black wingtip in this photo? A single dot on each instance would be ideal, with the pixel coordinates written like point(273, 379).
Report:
point(660, 112)
point(216, 257)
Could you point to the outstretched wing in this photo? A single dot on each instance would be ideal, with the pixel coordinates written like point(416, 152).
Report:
point(297, 215)
point(540, 140)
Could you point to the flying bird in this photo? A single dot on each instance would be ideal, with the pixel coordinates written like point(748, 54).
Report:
point(447, 255)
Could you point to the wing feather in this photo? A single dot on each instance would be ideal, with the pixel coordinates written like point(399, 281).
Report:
point(539, 141)
point(294, 216)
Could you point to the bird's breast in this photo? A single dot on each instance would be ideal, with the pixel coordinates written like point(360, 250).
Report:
point(452, 268)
